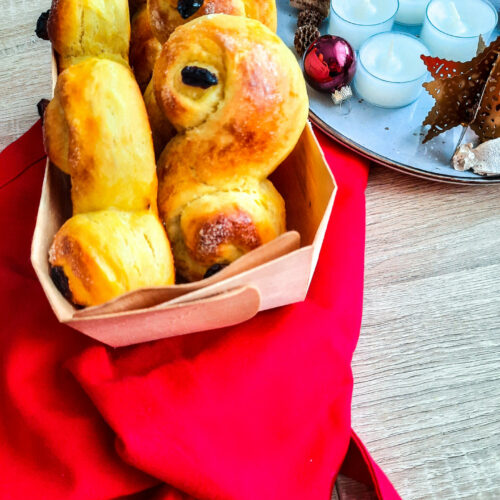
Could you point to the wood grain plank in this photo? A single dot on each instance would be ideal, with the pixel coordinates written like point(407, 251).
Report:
point(427, 378)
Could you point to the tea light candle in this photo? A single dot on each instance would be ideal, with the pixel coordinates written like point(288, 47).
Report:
point(452, 27)
point(390, 72)
point(411, 12)
point(357, 20)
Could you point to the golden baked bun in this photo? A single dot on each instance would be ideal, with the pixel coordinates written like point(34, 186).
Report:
point(96, 129)
point(83, 28)
point(144, 48)
point(166, 15)
point(236, 95)
point(100, 255)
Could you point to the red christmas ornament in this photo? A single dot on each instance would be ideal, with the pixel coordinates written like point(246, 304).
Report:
point(329, 64)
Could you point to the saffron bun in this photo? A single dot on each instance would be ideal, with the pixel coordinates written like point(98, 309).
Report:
point(98, 256)
point(83, 28)
point(238, 101)
point(96, 130)
point(166, 15)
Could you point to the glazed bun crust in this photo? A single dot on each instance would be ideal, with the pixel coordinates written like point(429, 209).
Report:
point(104, 254)
point(96, 130)
point(214, 197)
point(83, 28)
point(207, 225)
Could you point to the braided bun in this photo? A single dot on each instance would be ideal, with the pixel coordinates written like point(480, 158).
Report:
point(236, 96)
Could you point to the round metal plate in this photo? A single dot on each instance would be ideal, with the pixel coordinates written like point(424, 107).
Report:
point(391, 137)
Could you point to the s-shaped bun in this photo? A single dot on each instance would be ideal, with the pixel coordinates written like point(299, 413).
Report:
point(237, 98)
point(96, 130)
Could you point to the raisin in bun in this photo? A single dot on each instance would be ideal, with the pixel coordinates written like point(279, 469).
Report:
point(237, 98)
point(96, 130)
point(83, 28)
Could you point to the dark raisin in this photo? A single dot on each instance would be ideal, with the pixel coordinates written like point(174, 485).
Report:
point(187, 8)
point(198, 77)
point(42, 106)
point(214, 270)
point(41, 26)
point(61, 281)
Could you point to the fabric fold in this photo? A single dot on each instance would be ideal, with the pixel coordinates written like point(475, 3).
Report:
point(259, 410)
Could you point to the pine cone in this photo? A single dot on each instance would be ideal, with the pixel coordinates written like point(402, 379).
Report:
point(322, 6)
point(304, 36)
point(309, 16)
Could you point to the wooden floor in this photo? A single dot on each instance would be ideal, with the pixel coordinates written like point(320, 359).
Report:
point(427, 368)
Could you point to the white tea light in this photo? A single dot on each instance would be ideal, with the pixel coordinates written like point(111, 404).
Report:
point(452, 27)
point(411, 12)
point(357, 20)
point(390, 72)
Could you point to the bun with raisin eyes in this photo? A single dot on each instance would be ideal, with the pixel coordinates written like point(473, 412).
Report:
point(164, 17)
point(237, 98)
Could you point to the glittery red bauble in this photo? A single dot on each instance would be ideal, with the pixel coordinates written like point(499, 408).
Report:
point(329, 63)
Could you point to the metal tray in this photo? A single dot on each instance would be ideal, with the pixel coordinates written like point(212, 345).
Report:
point(391, 137)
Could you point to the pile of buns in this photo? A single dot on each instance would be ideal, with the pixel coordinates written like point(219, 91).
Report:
point(225, 103)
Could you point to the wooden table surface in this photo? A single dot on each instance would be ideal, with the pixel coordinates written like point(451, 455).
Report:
point(427, 368)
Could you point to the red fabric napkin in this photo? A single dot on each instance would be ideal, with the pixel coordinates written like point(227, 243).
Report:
point(256, 411)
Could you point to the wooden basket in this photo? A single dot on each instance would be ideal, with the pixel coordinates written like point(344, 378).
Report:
point(272, 275)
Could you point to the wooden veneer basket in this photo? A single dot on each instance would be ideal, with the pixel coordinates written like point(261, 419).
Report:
point(272, 275)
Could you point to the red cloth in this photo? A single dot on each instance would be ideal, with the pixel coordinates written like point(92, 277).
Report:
point(256, 411)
